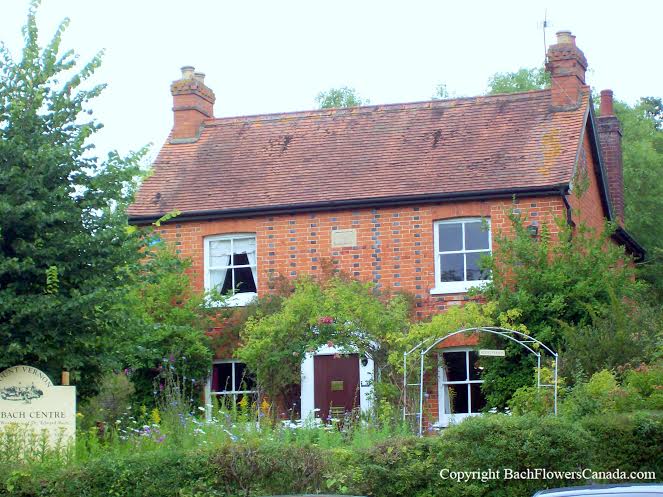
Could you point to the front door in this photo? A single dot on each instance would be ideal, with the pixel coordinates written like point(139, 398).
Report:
point(336, 380)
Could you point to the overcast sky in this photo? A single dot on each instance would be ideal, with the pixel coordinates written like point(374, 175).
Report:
point(274, 56)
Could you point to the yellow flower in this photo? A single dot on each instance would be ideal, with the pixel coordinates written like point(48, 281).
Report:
point(156, 416)
point(265, 406)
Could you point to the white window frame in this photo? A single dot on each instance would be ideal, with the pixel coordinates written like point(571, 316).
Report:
point(445, 418)
point(442, 287)
point(232, 392)
point(238, 299)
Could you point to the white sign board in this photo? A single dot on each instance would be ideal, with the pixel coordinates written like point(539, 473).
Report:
point(28, 399)
point(344, 238)
point(492, 353)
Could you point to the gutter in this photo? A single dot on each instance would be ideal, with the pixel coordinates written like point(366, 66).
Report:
point(205, 215)
point(624, 238)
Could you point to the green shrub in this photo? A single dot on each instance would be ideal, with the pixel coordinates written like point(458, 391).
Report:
point(598, 395)
point(400, 466)
point(115, 394)
point(644, 386)
point(629, 442)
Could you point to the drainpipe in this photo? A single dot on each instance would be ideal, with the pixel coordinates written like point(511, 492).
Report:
point(569, 216)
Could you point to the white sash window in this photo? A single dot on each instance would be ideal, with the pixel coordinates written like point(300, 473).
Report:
point(230, 267)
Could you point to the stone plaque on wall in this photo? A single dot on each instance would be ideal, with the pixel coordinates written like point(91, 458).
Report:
point(344, 238)
point(30, 401)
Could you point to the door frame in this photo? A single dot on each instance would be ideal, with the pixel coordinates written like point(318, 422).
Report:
point(366, 375)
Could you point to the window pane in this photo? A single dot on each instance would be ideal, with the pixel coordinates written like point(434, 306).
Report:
point(243, 380)
point(451, 236)
point(227, 286)
point(456, 368)
point(478, 400)
point(458, 398)
point(221, 280)
point(474, 271)
point(476, 236)
point(222, 377)
point(244, 246)
point(244, 281)
point(219, 253)
point(451, 267)
point(475, 368)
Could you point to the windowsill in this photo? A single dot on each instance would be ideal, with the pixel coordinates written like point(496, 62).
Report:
point(237, 300)
point(457, 287)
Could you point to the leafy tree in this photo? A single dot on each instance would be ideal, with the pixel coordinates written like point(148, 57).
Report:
point(170, 320)
point(65, 250)
point(558, 284)
point(346, 313)
point(524, 79)
point(642, 144)
point(339, 97)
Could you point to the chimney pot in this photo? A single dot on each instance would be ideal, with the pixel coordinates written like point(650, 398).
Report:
point(565, 38)
point(193, 103)
point(188, 72)
point(606, 103)
point(567, 66)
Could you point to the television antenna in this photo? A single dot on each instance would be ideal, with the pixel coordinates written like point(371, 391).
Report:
point(545, 24)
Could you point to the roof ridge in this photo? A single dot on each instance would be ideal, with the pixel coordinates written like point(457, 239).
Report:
point(301, 114)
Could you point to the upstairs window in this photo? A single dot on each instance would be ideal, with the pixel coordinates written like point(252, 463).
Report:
point(230, 267)
point(459, 246)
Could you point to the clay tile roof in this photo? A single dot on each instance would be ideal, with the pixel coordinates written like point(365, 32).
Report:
point(446, 147)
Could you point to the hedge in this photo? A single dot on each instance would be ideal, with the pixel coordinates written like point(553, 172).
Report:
point(406, 466)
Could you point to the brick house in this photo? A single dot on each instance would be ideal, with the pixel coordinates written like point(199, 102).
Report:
point(397, 194)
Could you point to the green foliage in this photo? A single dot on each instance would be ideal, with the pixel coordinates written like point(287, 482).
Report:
point(345, 313)
point(339, 97)
point(524, 79)
point(597, 396)
point(622, 335)
point(456, 318)
point(630, 442)
point(64, 243)
point(403, 465)
point(115, 394)
point(532, 399)
point(171, 320)
point(642, 145)
point(602, 394)
point(645, 383)
point(554, 285)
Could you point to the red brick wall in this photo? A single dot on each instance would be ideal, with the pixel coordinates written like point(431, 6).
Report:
point(394, 245)
point(586, 204)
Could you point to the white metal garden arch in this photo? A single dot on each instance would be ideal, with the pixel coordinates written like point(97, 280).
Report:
point(531, 344)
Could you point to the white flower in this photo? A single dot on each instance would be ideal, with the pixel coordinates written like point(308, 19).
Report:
point(201, 408)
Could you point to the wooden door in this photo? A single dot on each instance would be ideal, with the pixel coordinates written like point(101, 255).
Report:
point(336, 384)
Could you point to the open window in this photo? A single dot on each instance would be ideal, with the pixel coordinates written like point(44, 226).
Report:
point(230, 267)
point(459, 246)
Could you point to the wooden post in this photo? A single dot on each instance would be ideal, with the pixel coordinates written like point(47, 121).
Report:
point(65, 378)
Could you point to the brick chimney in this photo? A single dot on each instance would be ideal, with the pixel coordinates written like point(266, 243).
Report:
point(567, 65)
point(610, 136)
point(193, 102)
